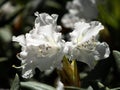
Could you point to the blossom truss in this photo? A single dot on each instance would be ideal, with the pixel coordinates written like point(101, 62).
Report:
point(84, 45)
point(79, 10)
point(42, 47)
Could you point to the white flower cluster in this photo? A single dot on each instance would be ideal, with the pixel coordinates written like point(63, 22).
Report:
point(43, 47)
point(79, 10)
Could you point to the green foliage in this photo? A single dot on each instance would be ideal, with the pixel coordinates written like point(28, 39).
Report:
point(101, 86)
point(2, 59)
point(53, 4)
point(5, 34)
point(109, 13)
point(117, 58)
point(76, 88)
point(32, 85)
point(16, 83)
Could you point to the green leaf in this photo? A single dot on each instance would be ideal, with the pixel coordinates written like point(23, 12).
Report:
point(116, 54)
point(5, 34)
point(72, 88)
point(53, 4)
point(100, 85)
point(32, 85)
point(118, 88)
point(2, 59)
point(76, 88)
point(109, 13)
point(16, 83)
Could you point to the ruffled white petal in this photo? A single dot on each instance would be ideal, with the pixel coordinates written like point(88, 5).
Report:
point(45, 19)
point(85, 8)
point(84, 45)
point(42, 47)
point(79, 10)
point(100, 51)
point(84, 31)
point(69, 20)
point(20, 39)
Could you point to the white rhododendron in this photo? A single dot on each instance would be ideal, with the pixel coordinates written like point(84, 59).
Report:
point(79, 10)
point(41, 47)
point(84, 45)
point(44, 48)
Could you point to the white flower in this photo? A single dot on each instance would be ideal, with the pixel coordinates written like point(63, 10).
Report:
point(68, 20)
point(44, 48)
point(41, 47)
point(79, 9)
point(84, 45)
